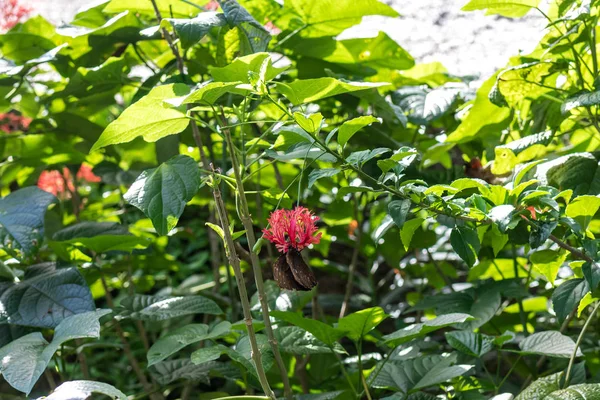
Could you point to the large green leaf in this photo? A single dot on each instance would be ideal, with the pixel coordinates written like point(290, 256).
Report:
point(583, 209)
point(541, 388)
point(349, 128)
point(24, 360)
point(151, 117)
point(506, 8)
point(398, 210)
point(470, 343)
point(84, 389)
point(520, 151)
point(418, 373)
point(414, 331)
point(172, 370)
point(423, 105)
point(22, 218)
point(295, 340)
point(46, 299)
point(358, 324)
point(253, 37)
point(303, 91)
point(465, 242)
point(176, 340)
point(101, 237)
point(325, 333)
point(107, 77)
point(330, 17)
point(240, 68)
point(548, 262)
point(176, 8)
point(162, 193)
point(549, 343)
point(581, 100)
point(159, 308)
point(567, 296)
point(589, 391)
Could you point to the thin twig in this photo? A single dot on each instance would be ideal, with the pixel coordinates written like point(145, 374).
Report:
point(354, 260)
point(578, 343)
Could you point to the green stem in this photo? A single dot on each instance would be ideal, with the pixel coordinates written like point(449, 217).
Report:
point(258, 278)
point(345, 372)
point(522, 315)
point(235, 264)
point(578, 343)
point(514, 365)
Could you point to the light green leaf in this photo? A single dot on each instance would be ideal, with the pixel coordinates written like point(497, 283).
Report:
point(349, 128)
point(414, 331)
point(176, 340)
point(586, 301)
point(159, 308)
point(550, 344)
point(162, 193)
point(583, 208)
point(408, 230)
point(85, 389)
point(325, 333)
point(176, 8)
point(520, 151)
point(303, 91)
point(253, 36)
point(358, 324)
point(465, 242)
point(547, 262)
point(209, 92)
point(151, 118)
point(22, 218)
point(330, 17)
point(238, 70)
point(506, 8)
point(311, 123)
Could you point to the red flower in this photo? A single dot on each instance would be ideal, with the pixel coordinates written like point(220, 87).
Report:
point(292, 229)
point(11, 13)
point(11, 122)
point(85, 174)
point(54, 181)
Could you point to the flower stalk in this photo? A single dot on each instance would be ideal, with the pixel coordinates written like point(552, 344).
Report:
point(239, 277)
point(258, 277)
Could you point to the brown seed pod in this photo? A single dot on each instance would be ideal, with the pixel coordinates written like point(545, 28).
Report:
point(303, 275)
point(283, 275)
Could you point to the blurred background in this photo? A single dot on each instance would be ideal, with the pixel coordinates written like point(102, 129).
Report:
point(466, 43)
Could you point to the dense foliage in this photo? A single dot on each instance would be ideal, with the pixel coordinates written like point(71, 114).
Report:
point(161, 161)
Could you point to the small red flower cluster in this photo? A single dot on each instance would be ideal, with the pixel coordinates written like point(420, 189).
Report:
point(11, 122)
point(292, 229)
point(11, 13)
point(54, 181)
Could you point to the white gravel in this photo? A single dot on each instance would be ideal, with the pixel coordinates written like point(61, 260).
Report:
point(467, 43)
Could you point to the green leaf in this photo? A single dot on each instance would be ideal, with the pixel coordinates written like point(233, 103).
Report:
point(566, 297)
point(106, 77)
point(584, 391)
point(176, 340)
point(408, 230)
point(302, 151)
point(101, 237)
point(547, 262)
point(162, 193)
point(311, 123)
point(470, 343)
point(349, 128)
point(325, 333)
point(409, 375)
point(423, 105)
point(398, 210)
point(295, 340)
point(502, 216)
point(520, 151)
point(321, 173)
point(358, 324)
point(150, 117)
point(550, 344)
point(22, 218)
point(583, 208)
point(254, 37)
point(46, 299)
point(84, 389)
point(303, 91)
point(591, 272)
point(581, 100)
point(190, 31)
point(209, 92)
point(24, 360)
point(465, 242)
point(506, 8)
point(483, 309)
point(166, 7)
point(169, 371)
point(541, 388)
point(330, 17)
point(414, 331)
point(160, 308)
point(241, 67)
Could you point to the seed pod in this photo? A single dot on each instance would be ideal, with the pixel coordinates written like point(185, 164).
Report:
point(303, 275)
point(283, 275)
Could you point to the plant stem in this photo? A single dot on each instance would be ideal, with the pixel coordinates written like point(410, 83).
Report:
point(522, 315)
point(341, 364)
point(514, 365)
point(258, 278)
point(578, 343)
point(353, 261)
point(235, 263)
